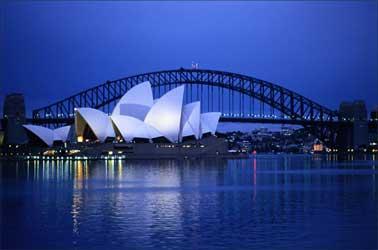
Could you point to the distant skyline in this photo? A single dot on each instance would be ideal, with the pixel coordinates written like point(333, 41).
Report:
point(326, 51)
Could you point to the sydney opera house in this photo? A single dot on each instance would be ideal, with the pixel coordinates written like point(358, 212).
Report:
point(137, 117)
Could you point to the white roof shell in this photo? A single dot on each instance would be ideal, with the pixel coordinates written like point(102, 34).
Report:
point(165, 114)
point(61, 134)
point(109, 132)
point(45, 134)
point(134, 110)
point(209, 122)
point(98, 121)
point(190, 120)
point(48, 136)
point(139, 95)
point(131, 128)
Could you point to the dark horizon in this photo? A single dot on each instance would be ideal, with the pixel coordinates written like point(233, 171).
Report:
point(326, 51)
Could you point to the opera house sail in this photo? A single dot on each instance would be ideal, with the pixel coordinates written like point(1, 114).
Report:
point(136, 102)
point(137, 115)
point(129, 128)
point(47, 136)
point(165, 114)
point(190, 120)
point(209, 122)
point(93, 124)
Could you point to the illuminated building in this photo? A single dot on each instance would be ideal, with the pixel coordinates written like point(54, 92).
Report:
point(46, 136)
point(138, 116)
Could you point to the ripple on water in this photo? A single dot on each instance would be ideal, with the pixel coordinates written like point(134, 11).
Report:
point(264, 202)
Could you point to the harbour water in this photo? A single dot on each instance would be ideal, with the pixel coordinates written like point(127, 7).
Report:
point(264, 202)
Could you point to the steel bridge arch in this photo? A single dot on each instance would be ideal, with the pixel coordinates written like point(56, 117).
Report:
point(297, 107)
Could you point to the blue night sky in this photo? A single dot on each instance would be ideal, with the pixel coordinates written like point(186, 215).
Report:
point(326, 51)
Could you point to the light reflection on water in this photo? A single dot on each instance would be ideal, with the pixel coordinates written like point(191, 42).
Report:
point(263, 202)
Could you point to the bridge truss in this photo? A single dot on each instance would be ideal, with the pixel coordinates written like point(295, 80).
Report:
point(239, 98)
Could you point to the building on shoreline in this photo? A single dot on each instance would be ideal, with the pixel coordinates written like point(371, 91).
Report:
point(13, 119)
point(138, 122)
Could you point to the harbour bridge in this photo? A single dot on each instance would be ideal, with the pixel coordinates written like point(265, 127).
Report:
point(238, 97)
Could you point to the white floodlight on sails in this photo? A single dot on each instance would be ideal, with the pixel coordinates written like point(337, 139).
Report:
point(130, 128)
point(61, 134)
point(190, 120)
point(98, 122)
point(209, 122)
point(136, 102)
point(165, 114)
point(44, 134)
point(48, 136)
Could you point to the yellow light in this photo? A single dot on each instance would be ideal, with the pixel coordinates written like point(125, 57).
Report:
point(80, 138)
point(49, 152)
point(318, 147)
point(74, 151)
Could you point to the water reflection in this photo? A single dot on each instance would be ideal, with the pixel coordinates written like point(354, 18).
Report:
point(251, 203)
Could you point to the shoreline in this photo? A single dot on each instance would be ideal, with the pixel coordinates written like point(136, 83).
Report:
point(172, 157)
